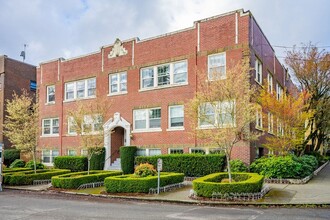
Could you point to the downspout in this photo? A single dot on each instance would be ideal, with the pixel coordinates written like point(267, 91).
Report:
point(62, 120)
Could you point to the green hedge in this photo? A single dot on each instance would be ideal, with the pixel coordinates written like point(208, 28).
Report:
point(13, 170)
point(74, 180)
point(127, 154)
point(73, 163)
point(27, 177)
point(17, 164)
point(30, 165)
point(132, 184)
point(285, 167)
point(97, 160)
point(192, 165)
point(10, 155)
point(245, 183)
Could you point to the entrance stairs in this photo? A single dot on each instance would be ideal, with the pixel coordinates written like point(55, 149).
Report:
point(115, 165)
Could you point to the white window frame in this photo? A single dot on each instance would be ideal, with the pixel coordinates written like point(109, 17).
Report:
point(258, 70)
point(51, 133)
point(75, 91)
point(147, 113)
point(196, 149)
point(210, 66)
point(155, 78)
point(270, 83)
point(71, 123)
point(48, 94)
point(119, 84)
point(175, 149)
point(83, 152)
point(70, 151)
point(270, 123)
point(51, 157)
point(259, 123)
point(280, 127)
point(216, 112)
point(279, 92)
point(91, 120)
point(170, 127)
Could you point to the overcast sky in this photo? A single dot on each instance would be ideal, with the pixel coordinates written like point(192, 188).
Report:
point(69, 28)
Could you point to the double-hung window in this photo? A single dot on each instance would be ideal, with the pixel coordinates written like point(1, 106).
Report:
point(50, 126)
point(48, 156)
point(147, 119)
point(279, 92)
point(270, 83)
point(118, 83)
point(258, 68)
point(80, 89)
point(51, 94)
point(72, 126)
point(217, 66)
point(169, 74)
point(92, 124)
point(280, 128)
point(176, 117)
point(217, 114)
point(259, 118)
point(270, 123)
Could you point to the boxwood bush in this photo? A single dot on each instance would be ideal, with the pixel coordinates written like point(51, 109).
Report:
point(127, 155)
point(238, 166)
point(10, 155)
point(97, 160)
point(133, 184)
point(243, 183)
point(27, 177)
point(13, 170)
point(30, 165)
point(74, 180)
point(73, 163)
point(192, 165)
point(285, 167)
point(17, 163)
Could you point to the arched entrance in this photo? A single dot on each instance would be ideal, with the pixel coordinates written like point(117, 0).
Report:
point(116, 133)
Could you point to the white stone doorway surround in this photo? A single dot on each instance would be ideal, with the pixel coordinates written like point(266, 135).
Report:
point(111, 124)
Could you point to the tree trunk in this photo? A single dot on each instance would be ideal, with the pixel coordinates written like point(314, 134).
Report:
point(88, 164)
point(228, 166)
point(34, 161)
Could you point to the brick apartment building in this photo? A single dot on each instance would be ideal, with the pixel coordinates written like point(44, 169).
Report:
point(149, 82)
point(14, 76)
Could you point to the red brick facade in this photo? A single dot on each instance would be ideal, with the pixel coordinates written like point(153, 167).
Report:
point(230, 33)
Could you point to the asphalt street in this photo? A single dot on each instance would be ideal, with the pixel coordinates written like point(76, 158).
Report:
point(15, 204)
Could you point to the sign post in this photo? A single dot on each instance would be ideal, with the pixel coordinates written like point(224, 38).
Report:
point(159, 168)
point(1, 161)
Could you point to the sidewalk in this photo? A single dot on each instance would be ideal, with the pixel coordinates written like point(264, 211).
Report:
point(316, 191)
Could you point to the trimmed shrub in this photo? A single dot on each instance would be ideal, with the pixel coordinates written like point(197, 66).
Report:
point(238, 166)
point(13, 170)
point(144, 170)
point(17, 163)
point(243, 183)
point(127, 154)
point(30, 165)
point(192, 165)
point(320, 158)
point(97, 159)
point(132, 184)
point(10, 155)
point(284, 167)
point(27, 177)
point(73, 163)
point(74, 180)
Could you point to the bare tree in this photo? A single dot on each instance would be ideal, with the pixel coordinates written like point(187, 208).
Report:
point(21, 123)
point(222, 110)
point(86, 119)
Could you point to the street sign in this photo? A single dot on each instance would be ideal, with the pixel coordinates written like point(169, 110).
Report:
point(159, 164)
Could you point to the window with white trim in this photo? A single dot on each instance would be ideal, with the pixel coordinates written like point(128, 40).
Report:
point(72, 126)
point(164, 75)
point(176, 116)
point(145, 119)
point(217, 114)
point(141, 152)
point(80, 89)
point(118, 83)
point(154, 152)
point(92, 124)
point(50, 126)
point(175, 151)
point(270, 83)
point(51, 94)
point(217, 66)
point(259, 118)
point(279, 92)
point(280, 128)
point(197, 151)
point(84, 152)
point(47, 156)
point(270, 123)
point(72, 153)
point(258, 68)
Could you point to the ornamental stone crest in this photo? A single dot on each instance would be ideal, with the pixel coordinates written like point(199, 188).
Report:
point(117, 49)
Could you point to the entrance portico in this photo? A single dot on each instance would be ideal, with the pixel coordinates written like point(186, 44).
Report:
point(109, 127)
